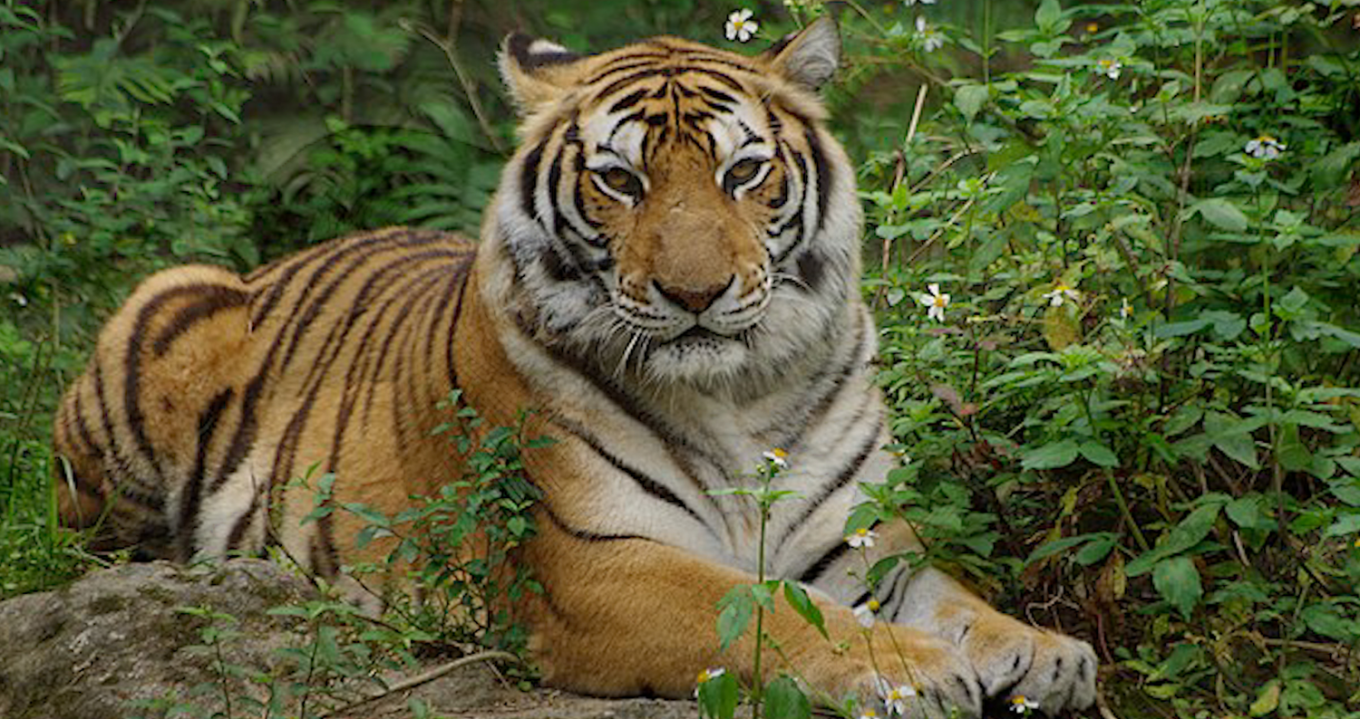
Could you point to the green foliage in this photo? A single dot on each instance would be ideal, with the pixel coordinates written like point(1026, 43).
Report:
point(1146, 379)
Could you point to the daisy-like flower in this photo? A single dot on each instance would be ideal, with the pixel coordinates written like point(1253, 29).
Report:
point(861, 538)
point(1125, 309)
point(935, 301)
point(1265, 147)
point(1109, 67)
point(707, 676)
point(777, 457)
point(866, 612)
point(895, 698)
point(1023, 705)
point(740, 26)
point(1061, 292)
point(931, 39)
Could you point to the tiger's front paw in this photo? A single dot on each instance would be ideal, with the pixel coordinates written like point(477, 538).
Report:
point(919, 677)
point(1037, 668)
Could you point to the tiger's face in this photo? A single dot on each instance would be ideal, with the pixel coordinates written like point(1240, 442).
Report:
point(677, 212)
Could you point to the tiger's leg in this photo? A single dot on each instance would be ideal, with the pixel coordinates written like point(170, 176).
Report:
point(626, 616)
point(134, 431)
point(1011, 658)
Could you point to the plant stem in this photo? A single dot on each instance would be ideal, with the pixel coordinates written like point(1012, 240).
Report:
point(1109, 477)
point(758, 680)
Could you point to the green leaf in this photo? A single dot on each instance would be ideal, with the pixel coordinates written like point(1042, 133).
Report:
point(1049, 549)
point(1047, 16)
point(1344, 526)
point(969, 99)
point(784, 700)
point(798, 599)
point(1267, 699)
point(1221, 213)
point(718, 697)
point(1177, 580)
point(1240, 446)
point(1189, 532)
point(734, 614)
point(1098, 454)
point(1050, 456)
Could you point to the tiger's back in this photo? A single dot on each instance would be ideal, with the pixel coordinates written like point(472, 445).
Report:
point(208, 392)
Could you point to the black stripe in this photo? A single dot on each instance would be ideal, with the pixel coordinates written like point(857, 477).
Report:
point(628, 101)
point(218, 298)
point(83, 428)
point(583, 534)
point(718, 95)
point(819, 567)
point(644, 482)
point(824, 176)
point(132, 370)
point(528, 181)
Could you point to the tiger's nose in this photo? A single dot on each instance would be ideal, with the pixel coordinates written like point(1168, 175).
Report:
point(694, 300)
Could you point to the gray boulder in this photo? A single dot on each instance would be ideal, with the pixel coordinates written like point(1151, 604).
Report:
point(118, 643)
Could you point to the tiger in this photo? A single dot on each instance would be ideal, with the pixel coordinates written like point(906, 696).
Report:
point(668, 276)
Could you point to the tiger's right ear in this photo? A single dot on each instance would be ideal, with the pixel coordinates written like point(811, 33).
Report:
point(536, 71)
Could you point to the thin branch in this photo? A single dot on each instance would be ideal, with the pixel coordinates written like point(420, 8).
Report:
point(424, 678)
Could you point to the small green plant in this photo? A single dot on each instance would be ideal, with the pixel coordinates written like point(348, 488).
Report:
point(459, 547)
point(782, 697)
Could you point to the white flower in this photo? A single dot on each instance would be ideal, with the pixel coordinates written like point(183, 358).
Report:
point(895, 697)
point(931, 39)
point(1060, 292)
point(1020, 704)
point(1125, 309)
point(19, 299)
point(1109, 67)
point(1265, 147)
point(865, 613)
point(740, 26)
point(707, 676)
point(935, 301)
point(861, 538)
point(777, 457)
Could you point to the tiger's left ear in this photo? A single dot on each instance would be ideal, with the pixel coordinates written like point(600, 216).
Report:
point(810, 56)
point(536, 71)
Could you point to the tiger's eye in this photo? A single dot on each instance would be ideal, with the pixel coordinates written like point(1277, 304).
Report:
point(623, 181)
point(744, 170)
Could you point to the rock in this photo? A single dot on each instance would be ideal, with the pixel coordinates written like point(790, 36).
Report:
point(118, 643)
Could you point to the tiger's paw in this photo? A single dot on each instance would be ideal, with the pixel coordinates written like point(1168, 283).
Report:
point(928, 680)
point(1029, 668)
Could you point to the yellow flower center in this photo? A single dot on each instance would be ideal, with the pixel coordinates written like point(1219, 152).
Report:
point(940, 301)
point(1092, 27)
point(779, 453)
point(1018, 699)
point(874, 605)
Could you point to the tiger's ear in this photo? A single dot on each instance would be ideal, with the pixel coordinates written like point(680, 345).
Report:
point(536, 71)
point(810, 56)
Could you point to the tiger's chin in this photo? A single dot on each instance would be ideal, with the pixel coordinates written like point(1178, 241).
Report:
point(698, 357)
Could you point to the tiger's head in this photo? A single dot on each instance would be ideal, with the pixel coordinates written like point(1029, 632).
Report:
point(676, 212)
